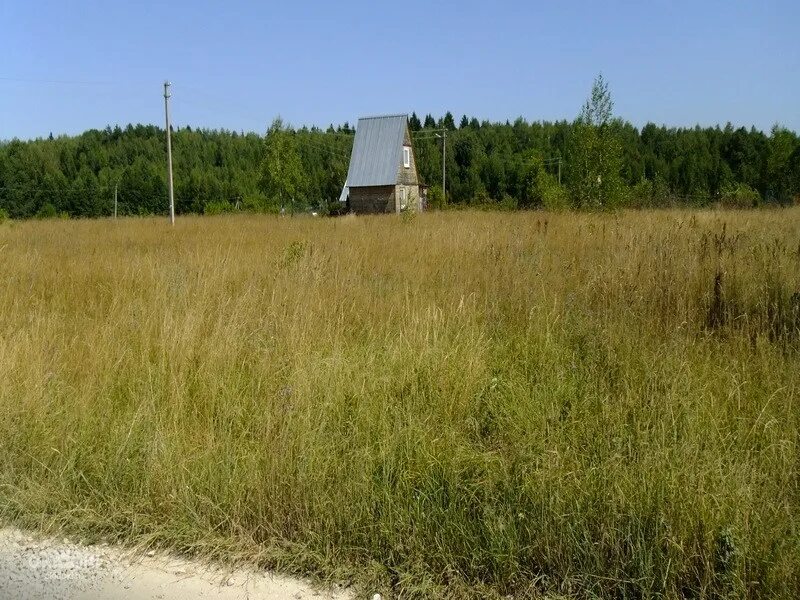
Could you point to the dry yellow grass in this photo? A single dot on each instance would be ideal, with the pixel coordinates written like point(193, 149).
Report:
point(460, 404)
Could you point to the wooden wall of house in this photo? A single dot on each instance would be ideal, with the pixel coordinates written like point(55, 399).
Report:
point(408, 175)
point(372, 199)
point(412, 196)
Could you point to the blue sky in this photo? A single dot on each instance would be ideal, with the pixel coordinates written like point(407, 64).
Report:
point(70, 66)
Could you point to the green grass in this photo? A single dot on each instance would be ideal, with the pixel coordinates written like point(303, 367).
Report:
point(462, 405)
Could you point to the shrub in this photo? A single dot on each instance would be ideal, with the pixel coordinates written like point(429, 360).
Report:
point(218, 208)
point(739, 195)
point(436, 199)
point(47, 211)
point(481, 198)
point(408, 214)
point(333, 208)
point(259, 203)
point(640, 194)
point(3, 215)
point(555, 197)
point(507, 203)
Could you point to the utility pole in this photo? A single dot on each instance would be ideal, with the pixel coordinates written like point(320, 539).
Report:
point(169, 155)
point(115, 201)
point(551, 161)
point(444, 166)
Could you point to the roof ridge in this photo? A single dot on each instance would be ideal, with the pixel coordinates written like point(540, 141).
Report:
point(383, 116)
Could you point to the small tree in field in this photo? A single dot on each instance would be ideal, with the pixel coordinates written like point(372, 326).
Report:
point(436, 197)
point(282, 176)
point(595, 159)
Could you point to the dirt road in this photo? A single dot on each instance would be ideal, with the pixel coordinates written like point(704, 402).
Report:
point(40, 568)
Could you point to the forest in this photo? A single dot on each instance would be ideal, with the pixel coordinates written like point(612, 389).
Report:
point(515, 164)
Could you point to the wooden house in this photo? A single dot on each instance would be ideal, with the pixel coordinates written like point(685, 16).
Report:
point(382, 177)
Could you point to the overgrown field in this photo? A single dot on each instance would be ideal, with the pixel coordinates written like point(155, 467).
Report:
point(458, 404)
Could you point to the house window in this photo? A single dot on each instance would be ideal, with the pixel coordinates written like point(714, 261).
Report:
point(406, 157)
point(402, 198)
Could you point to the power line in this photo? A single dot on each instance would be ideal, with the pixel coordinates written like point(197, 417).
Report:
point(320, 145)
point(323, 132)
point(56, 81)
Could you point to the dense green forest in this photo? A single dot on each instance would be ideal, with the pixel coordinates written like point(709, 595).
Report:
point(517, 164)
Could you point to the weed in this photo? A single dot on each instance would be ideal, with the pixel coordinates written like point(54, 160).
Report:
point(483, 404)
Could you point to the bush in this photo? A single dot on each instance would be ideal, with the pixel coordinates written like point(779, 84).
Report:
point(408, 214)
point(333, 208)
point(47, 211)
point(640, 194)
point(507, 203)
point(739, 195)
point(436, 198)
point(555, 197)
point(217, 208)
point(3, 215)
point(260, 204)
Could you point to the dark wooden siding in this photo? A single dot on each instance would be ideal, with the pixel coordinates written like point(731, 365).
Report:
point(372, 200)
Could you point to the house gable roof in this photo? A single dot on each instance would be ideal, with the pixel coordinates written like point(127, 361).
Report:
point(377, 150)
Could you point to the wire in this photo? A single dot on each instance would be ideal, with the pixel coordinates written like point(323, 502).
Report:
point(308, 139)
point(319, 145)
point(331, 152)
point(57, 81)
point(335, 133)
point(51, 190)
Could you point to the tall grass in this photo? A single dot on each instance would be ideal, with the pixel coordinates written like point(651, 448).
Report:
point(459, 405)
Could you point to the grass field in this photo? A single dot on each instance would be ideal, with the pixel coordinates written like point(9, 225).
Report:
point(458, 404)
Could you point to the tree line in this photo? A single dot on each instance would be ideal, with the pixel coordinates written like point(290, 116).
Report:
point(596, 160)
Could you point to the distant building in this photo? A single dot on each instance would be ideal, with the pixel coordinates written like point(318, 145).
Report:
point(382, 177)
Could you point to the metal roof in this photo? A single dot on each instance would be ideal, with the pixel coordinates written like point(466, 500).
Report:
point(377, 150)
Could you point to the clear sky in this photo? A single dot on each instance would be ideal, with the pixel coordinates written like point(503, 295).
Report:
point(72, 65)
